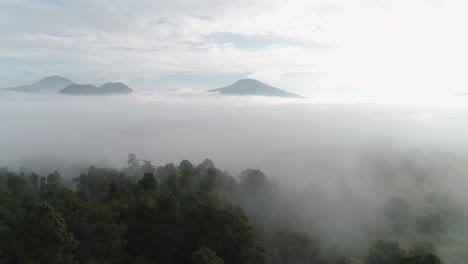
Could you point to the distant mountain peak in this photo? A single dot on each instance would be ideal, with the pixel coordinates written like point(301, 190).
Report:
point(54, 78)
point(254, 87)
point(249, 81)
point(48, 84)
point(117, 87)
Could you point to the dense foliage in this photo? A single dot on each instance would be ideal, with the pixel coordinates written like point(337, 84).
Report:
point(168, 214)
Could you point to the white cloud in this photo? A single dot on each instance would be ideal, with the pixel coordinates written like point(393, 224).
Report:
point(271, 75)
point(387, 48)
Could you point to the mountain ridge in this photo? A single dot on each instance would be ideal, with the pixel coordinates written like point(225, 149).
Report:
point(62, 85)
point(89, 89)
point(52, 84)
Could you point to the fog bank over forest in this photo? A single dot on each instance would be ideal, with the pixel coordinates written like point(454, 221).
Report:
point(340, 169)
point(265, 133)
point(296, 142)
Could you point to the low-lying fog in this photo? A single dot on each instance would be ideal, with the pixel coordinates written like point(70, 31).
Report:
point(307, 140)
point(287, 139)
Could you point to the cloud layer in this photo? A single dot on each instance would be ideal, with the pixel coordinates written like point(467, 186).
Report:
point(237, 133)
point(386, 48)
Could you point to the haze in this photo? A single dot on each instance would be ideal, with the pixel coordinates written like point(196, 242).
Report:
point(237, 132)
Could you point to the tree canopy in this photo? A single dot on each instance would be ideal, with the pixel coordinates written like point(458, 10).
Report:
point(186, 213)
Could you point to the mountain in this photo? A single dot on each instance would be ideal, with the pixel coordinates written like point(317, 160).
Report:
point(51, 84)
point(80, 89)
point(254, 87)
point(88, 89)
point(112, 88)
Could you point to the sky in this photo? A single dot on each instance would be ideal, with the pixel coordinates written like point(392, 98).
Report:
point(386, 49)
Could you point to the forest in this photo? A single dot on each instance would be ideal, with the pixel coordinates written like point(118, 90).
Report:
point(183, 213)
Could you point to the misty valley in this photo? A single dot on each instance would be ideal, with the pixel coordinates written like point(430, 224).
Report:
point(233, 132)
point(338, 185)
point(190, 213)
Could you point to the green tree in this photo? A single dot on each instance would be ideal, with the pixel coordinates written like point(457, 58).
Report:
point(205, 256)
point(43, 184)
point(187, 174)
point(224, 229)
point(16, 183)
point(382, 252)
point(54, 182)
point(45, 237)
point(34, 179)
point(104, 234)
point(422, 253)
point(154, 229)
point(295, 247)
point(148, 182)
point(97, 182)
point(10, 209)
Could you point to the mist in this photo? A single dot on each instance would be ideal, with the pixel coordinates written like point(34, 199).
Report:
point(236, 132)
point(336, 165)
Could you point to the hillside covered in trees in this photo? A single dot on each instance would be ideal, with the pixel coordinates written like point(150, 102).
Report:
point(182, 213)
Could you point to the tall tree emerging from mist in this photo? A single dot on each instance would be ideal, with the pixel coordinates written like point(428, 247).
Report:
point(148, 182)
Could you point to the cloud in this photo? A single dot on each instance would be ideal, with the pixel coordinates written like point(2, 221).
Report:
point(297, 142)
point(387, 48)
point(271, 75)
